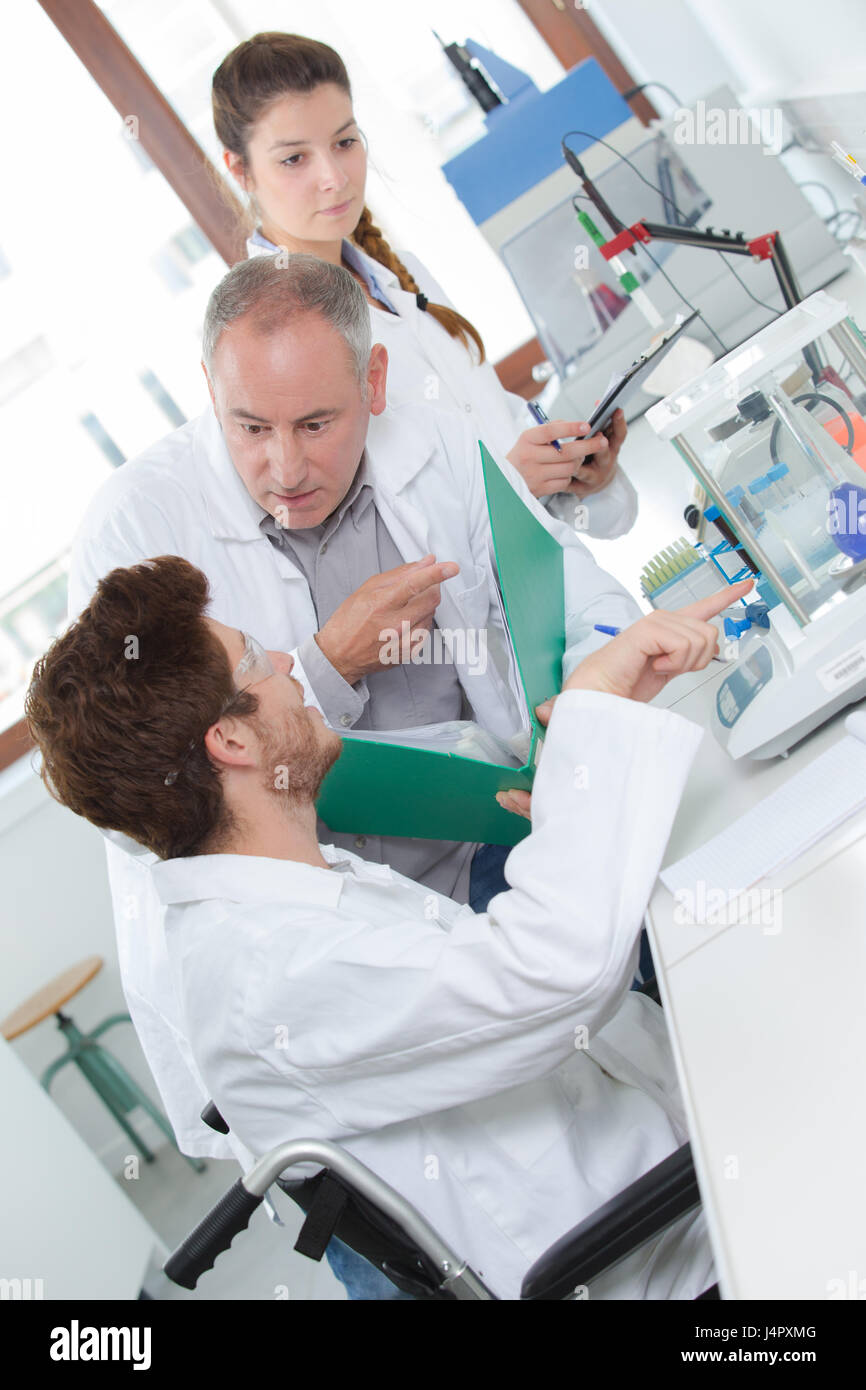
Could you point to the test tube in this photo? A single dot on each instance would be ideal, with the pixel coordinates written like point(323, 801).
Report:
point(737, 498)
point(785, 491)
point(756, 488)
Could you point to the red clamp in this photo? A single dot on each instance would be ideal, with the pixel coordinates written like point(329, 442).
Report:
point(761, 247)
point(623, 240)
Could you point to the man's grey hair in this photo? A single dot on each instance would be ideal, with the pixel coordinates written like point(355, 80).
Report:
point(281, 287)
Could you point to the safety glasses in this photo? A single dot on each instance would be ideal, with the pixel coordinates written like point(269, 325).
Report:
point(254, 666)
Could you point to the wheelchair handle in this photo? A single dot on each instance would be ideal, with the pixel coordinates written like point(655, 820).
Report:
point(214, 1234)
point(232, 1213)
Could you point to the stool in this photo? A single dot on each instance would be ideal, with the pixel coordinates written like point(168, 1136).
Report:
point(111, 1082)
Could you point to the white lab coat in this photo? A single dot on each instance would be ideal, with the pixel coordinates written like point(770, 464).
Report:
point(427, 366)
point(494, 1067)
point(183, 496)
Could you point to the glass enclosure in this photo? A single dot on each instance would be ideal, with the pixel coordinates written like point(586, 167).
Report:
point(570, 291)
point(775, 432)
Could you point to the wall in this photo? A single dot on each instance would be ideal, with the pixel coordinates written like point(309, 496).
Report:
point(65, 1222)
point(765, 51)
point(54, 910)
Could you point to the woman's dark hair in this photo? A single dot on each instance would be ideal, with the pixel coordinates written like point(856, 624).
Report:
point(268, 66)
point(124, 698)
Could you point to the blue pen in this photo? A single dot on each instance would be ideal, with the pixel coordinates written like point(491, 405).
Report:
point(611, 631)
point(540, 418)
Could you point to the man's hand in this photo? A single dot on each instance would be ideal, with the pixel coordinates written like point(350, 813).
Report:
point(582, 466)
point(352, 638)
point(516, 800)
point(641, 660)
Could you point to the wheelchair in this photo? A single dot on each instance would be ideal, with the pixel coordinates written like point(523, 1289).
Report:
point(346, 1199)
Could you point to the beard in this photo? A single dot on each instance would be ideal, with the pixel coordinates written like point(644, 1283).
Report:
point(297, 757)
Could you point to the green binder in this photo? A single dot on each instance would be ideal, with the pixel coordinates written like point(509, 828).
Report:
point(385, 788)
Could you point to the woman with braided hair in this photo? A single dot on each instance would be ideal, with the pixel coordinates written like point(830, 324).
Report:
point(282, 110)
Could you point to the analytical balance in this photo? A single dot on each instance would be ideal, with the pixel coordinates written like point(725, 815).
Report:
point(776, 436)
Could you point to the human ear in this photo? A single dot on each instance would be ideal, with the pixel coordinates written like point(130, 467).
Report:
point(377, 376)
point(231, 743)
point(236, 167)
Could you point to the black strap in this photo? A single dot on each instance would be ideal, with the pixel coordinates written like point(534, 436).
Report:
point(322, 1217)
point(421, 300)
point(370, 1233)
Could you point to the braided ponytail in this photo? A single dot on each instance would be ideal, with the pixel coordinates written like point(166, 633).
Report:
point(270, 65)
point(370, 239)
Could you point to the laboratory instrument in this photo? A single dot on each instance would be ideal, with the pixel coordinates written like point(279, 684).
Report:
point(776, 437)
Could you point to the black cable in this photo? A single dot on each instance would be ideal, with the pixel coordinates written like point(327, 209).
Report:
point(677, 292)
point(812, 396)
point(651, 185)
point(634, 91)
point(813, 183)
point(839, 217)
point(763, 303)
point(704, 321)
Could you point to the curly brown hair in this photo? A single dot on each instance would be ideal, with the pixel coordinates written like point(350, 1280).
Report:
point(270, 65)
point(118, 699)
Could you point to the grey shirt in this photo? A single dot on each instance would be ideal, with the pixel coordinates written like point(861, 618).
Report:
point(336, 557)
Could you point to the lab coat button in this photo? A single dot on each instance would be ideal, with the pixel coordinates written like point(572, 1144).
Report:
point(360, 841)
point(467, 407)
point(345, 720)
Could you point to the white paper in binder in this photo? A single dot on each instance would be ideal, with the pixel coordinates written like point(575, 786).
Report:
point(783, 826)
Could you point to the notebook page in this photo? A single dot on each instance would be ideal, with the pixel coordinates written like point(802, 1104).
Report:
point(460, 736)
point(778, 829)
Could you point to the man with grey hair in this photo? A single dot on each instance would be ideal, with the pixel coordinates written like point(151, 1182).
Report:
point(322, 519)
point(276, 293)
point(325, 520)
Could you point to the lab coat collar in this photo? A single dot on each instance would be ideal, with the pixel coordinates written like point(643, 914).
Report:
point(231, 512)
point(258, 245)
point(398, 447)
point(385, 276)
point(245, 878)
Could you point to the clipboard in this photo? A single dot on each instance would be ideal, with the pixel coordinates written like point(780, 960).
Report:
point(622, 390)
point(388, 788)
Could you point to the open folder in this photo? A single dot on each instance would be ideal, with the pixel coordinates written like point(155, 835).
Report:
point(414, 782)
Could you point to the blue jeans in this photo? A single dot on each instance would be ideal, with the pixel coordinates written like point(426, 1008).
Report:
point(646, 967)
point(486, 877)
point(362, 1279)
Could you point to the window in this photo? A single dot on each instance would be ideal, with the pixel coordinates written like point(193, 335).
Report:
point(409, 101)
point(24, 366)
point(169, 407)
point(102, 439)
point(98, 357)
